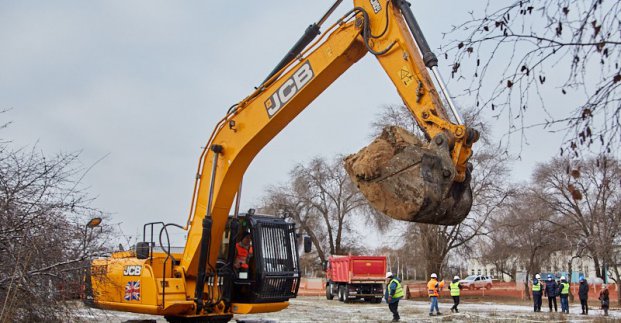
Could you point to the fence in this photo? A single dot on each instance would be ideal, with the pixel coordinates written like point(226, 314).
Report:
point(316, 287)
point(509, 290)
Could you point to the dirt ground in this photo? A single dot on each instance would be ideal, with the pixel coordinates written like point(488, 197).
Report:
point(318, 309)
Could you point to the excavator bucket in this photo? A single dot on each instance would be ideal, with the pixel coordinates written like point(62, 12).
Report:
point(409, 180)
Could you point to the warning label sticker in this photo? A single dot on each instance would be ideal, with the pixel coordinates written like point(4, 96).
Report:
point(406, 76)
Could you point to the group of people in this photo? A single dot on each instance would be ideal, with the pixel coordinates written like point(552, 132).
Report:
point(551, 289)
point(394, 293)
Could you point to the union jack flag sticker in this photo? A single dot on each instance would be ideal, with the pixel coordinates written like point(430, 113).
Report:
point(132, 291)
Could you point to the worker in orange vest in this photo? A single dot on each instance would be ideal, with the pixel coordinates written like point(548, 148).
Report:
point(433, 289)
point(243, 252)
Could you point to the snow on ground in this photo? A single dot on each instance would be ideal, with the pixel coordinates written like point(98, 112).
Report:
point(318, 309)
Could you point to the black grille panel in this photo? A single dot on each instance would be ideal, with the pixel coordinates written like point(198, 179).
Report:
point(278, 273)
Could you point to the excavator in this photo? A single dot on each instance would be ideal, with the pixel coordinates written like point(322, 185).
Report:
point(201, 282)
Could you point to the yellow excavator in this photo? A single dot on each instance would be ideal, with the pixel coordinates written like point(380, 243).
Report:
point(203, 282)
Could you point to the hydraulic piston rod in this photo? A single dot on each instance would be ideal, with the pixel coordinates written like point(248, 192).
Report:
point(430, 59)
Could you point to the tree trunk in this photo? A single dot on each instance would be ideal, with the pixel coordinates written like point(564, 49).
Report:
point(434, 264)
point(618, 284)
point(435, 244)
point(598, 270)
point(313, 236)
point(526, 287)
point(571, 295)
point(339, 235)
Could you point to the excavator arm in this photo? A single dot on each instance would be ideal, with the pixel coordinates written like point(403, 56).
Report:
point(387, 30)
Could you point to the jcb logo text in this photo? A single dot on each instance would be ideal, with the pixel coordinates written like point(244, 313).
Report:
point(288, 89)
point(132, 270)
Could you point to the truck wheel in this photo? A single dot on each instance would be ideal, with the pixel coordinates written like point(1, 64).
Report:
point(345, 294)
point(329, 294)
point(341, 293)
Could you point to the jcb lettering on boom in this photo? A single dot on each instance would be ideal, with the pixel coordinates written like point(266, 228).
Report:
point(288, 89)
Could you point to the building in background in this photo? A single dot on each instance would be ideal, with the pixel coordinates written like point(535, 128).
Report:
point(558, 264)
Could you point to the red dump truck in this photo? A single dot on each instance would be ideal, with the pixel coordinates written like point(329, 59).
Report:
point(355, 277)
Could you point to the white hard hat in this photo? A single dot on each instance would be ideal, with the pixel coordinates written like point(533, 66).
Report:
point(538, 276)
point(562, 277)
point(456, 277)
point(388, 274)
point(434, 275)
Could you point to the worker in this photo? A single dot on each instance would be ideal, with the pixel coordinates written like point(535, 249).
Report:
point(537, 292)
point(564, 287)
point(243, 252)
point(394, 293)
point(455, 288)
point(550, 292)
point(604, 298)
point(583, 292)
point(433, 289)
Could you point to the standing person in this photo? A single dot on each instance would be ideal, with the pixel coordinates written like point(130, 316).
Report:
point(537, 292)
point(455, 287)
point(550, 292)
point(583, 292)
point(604, 298)
point(433, 289)
point(394, 293)
point(564, 287)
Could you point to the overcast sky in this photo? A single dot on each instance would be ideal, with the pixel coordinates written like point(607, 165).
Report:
point(144, 82)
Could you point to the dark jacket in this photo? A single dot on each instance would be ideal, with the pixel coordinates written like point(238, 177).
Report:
point(604, 298)
point(551, 288)
point(583, 292)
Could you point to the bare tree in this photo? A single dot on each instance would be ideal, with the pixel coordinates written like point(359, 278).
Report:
point(44, 242)
point(498, 249)
point(523, 225)
point(322, 200)
point(584, 195)
point(519, 56)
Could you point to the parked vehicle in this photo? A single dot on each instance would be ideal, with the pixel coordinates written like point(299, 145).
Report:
point(477, 281)
point(356, 277)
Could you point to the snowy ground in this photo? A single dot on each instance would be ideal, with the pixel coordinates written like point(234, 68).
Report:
point(318, 309)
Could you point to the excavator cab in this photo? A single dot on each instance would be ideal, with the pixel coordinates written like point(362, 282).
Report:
point(273, 273)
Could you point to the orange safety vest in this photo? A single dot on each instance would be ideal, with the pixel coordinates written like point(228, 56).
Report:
point(243, 254)
point(433, 287)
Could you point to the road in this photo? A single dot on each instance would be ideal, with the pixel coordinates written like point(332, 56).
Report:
point(318, 309)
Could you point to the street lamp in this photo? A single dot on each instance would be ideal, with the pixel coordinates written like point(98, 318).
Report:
point(93, 222)
point(90, 225)
point(87, 287)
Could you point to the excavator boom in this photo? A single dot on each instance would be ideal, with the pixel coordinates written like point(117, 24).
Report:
point(429, 178)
